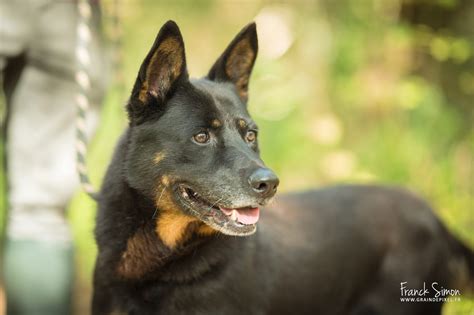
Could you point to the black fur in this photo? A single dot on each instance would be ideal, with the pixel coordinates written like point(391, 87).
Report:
point(338, 250)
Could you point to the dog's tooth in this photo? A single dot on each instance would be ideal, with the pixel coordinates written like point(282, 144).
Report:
point(233, 216)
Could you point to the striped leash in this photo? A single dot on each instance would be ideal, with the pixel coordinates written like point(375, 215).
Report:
point(82, 78)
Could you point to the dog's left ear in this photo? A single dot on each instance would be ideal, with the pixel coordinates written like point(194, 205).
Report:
point(236, 63)
point(160, 73)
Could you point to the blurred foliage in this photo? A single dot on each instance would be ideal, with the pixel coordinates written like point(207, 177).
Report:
point(343, 91)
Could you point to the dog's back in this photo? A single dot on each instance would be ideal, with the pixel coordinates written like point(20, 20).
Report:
point(348, 249)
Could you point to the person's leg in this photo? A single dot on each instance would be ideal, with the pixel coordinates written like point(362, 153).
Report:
point(41, 165)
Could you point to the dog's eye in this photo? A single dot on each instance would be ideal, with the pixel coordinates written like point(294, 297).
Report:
point(251, 136)
point(202, 137)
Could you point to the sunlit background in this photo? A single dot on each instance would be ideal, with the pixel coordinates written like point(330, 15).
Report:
point(343, 91)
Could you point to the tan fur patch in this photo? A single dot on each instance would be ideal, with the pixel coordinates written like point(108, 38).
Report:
point(174, 227)
point(164, 67)
point(171, 225)
point(216, 123)
point(242, 123)
point(206, 230)
point(171, 228)
point(159, 157)
point(139, 256)
point(239, 65)
point(164, 199)
point(165, 180)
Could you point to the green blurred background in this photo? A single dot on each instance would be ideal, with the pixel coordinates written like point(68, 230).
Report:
point(343, 91)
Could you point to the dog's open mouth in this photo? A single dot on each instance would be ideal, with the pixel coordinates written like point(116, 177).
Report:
point(231, 221)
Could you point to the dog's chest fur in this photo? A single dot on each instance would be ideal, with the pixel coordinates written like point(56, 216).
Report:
point(216, 276)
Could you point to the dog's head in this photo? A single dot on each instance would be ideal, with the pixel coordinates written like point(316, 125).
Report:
point(194, 146)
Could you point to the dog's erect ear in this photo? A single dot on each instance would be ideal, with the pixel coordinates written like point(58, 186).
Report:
point(236, 63)
point(162, 69)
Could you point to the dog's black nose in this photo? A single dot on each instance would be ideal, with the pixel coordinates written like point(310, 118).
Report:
point(264, 182)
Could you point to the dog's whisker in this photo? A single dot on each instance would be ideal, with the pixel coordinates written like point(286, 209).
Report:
point(158, 202)
point(218, 200)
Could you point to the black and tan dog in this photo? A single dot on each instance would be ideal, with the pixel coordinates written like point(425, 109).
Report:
point(182, 196)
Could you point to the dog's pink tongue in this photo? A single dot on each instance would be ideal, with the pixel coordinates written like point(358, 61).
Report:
point(248, 216)
point(244, 215)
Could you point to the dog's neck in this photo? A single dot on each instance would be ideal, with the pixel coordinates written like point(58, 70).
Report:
point(158, 238)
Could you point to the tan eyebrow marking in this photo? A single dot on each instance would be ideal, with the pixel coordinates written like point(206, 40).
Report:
point(216, 123)
point(242, 123)
point(159, 157)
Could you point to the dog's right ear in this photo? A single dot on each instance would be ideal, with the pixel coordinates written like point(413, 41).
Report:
point(162, 70)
